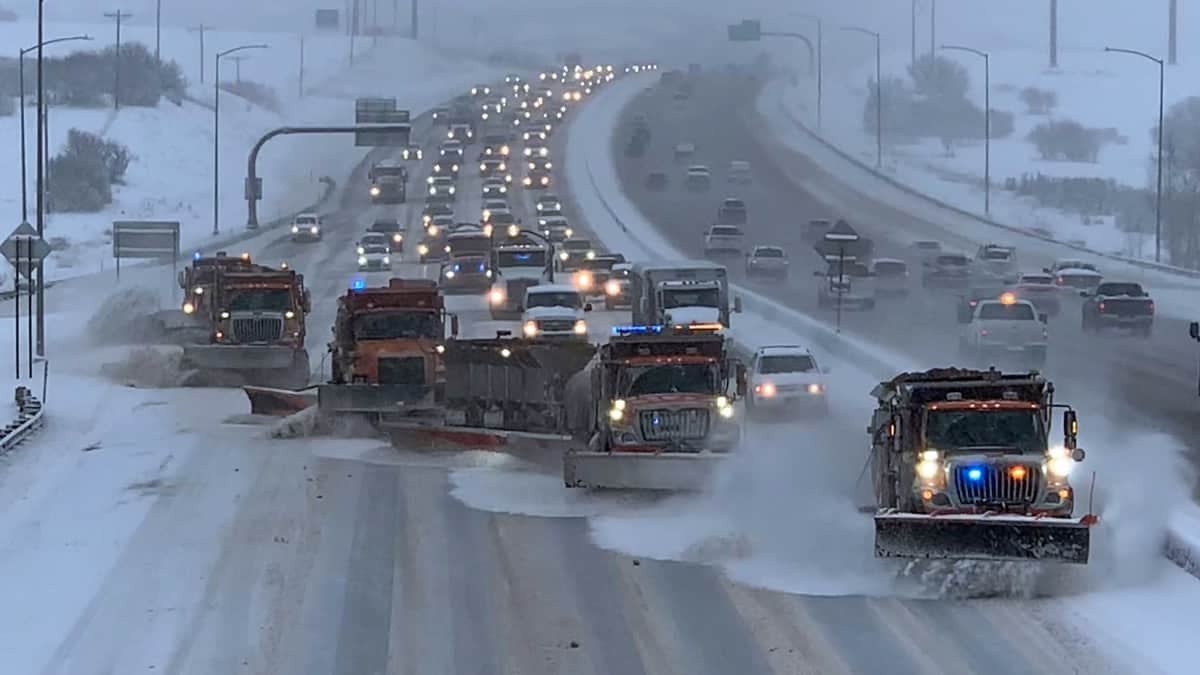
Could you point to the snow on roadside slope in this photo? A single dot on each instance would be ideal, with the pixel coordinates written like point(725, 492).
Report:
point(171, 175)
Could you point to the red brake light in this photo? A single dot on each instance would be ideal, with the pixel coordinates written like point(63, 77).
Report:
point(1151, 306)
point(1102, 307)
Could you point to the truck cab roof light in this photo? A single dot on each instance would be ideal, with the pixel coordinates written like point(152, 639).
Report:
point(700, 327)
point(637, 330)
point(196, 255)
point(358, 284)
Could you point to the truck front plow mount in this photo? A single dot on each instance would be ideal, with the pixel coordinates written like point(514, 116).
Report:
point(983, 537)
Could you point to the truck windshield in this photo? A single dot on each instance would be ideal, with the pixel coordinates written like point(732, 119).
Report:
point(563, 299)
point(793, 363)
point(1128, 289)
point(996, 311)
point(973, 430)
point(393, 171)
point(260, 300)
point(676, 378)
point(521, 258)
point(690, 297)
point(400, 324)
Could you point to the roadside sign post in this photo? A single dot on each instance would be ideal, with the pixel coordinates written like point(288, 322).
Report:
point(840, 243)
point(146, 239)
point(25, 250)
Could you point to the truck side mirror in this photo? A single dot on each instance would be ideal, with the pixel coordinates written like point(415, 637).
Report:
point(1070, 429)
point(737, 304)
point(818, 273)
point(454, 325)
point(182, 280)
point(1043, 317)
point(1085, 294)
point(587, 307)
point(1194, 330)
point(307, 299)
point(1047, 270)
point(741, 379)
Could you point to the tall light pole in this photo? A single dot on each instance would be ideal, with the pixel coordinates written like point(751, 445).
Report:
point(158, 31)
point(217, 131)
point(119, 16)
point(1159, 191)
point(41, 186)
point(820, 62)
point(878, 92)
point(987, 121)
point(200, 29)
point(21, 86)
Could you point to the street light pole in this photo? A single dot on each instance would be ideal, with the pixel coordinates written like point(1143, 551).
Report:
point(119, 16)
point(217, 131)
point(878, 92)
point(820, 63)
point(1159, 190)
point(987, 121)
point(158, 31)
point(21, 86)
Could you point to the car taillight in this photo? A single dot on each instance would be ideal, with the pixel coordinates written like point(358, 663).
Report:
point(1151, 306)
point(1102, 307)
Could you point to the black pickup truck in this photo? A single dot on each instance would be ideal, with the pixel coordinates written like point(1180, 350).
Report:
point(1118, 304)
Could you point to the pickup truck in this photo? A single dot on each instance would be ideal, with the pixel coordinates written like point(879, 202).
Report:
point(947, 270)
point(1005, 329)
point(1118, 304)
point(724, 239)
point(732, 211)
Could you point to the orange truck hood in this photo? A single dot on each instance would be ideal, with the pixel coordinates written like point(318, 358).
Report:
point(670, 400)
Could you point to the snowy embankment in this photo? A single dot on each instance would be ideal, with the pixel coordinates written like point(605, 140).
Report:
point(1126, 566)
point(1097, 90)
point(171, 176)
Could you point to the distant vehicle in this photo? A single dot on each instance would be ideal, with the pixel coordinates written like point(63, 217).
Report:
point(1118, 304)
point(392, 229)
point(451, 150)
point(1040, 289)
point(441, 188)
point(698, 178)
point(767, 261)
point(1078, 278)
point(656, 181)
point(891, 276)
point(732, 211)
point(435, 208)
point(446, 167)
point(572, 251)
point(495, 145)
point(536, 148)
point(481, 90)
point(684, 151)
point(441, 114)
point(926, 249)
point(548, 201)
point(998, 262)
point(412, 152)
point(947, 270)
point(854, 288)
point(1070, 263)
point(495, 166)
point(739, 172)
point(724, 239)
point(1004, 329)
point(537, 179)
point(389, 183)
point(306, 227)
point(785, 378)
point(593, 273)
point(374, 252)
point(617, 293)
point(494, 186)
point(555, 228)
point(554, 311)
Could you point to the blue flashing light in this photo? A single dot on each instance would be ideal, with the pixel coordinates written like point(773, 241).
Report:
point(196, 255)
point(457, 267)
point(481, 268)
point(637, 330)
point(522, 256)
point(974, 474)
point(358, 284)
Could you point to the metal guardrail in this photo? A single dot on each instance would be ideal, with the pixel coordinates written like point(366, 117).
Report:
point(912, 192)
point(30, 414)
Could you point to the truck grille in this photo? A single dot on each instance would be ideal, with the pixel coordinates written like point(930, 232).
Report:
point(556, 325)
point(995, 485)
point(258, 329)
point(674, 425)
point(402, 370)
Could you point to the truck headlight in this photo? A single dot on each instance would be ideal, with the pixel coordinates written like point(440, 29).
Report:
point(224, 314)
point(530, 329)
point(591, 255)
point(612, 287)
point(360, 250)
point(397, 238)
point(580, 327)
point(422, 249)
point(374, 190)
point(1059, 463)
point(449, 274)
point(289, 314)
point(496, 296)
point(314, 230)
point(514, 230)
point(387, 260)
point(726, 412)
point(433, 230)
point(617, 411)
point(362, 260)
point(188, 308)
point(563, 255)
point(199, 290)
point(815, 388)
point(295, 229)
point(569, 233)
point(583, 281)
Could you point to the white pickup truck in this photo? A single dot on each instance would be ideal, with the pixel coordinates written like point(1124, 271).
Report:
point(1006, 329)
point(554, 311)
point(724, 239)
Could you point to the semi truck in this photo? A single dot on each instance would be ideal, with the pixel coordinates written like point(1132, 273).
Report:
point(681, 293)
point(520, 263)
point(654, 409)
point(389, 183)
point(386, 352)
point(964, 466)
point(256, 327)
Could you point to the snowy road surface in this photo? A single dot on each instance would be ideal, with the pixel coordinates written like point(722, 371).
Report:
point(179, 539)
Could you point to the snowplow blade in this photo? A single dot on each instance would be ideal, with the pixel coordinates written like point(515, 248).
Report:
point(181, 328)
point(278, 402)
point(239, 357)
point(677, 471)
point(977, 537)
point(374, 398)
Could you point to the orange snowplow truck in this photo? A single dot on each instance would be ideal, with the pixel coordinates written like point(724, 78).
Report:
point(255, 316)
point(386, 352)
point(190, 323)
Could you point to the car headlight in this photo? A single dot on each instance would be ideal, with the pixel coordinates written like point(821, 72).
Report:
point(766, 389)
point(563, 255)
point(530, 329)
point(362, 260)
point(374, 190)
point(451, 189)
point(449, 274)
point(580, 327)
point(527, 181)
point(503, 166)
point(514, 230)
point(432, 190)
point(591, 255)
point(454, 168)
point(583, 280)
point(528, 151)
point(488, 229)
point(360, 250)
point(387, 260)
point(397, 238)
point(569, 232)
point(482, 166)
point(433, 230)
point(314, 229)
point(487, 273)
point(612, 287)
point(545, 180)
point(504, 151)
point(815, 388)
point(199, 290)
point(188, 308)
point(224, 315)
point(422, 249)
point(496, 296)
point(1060, 464)
point(295, 229)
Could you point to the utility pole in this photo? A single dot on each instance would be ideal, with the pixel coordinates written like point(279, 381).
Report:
point(1172, 41)
point(158, 31)
point(932, 27)
point(913, 43)
point(119, 16)
point(878, 91)
point(416, 34)
point(301, 66)
point(237, 67)
point(200, 29)
point(1053, 33)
